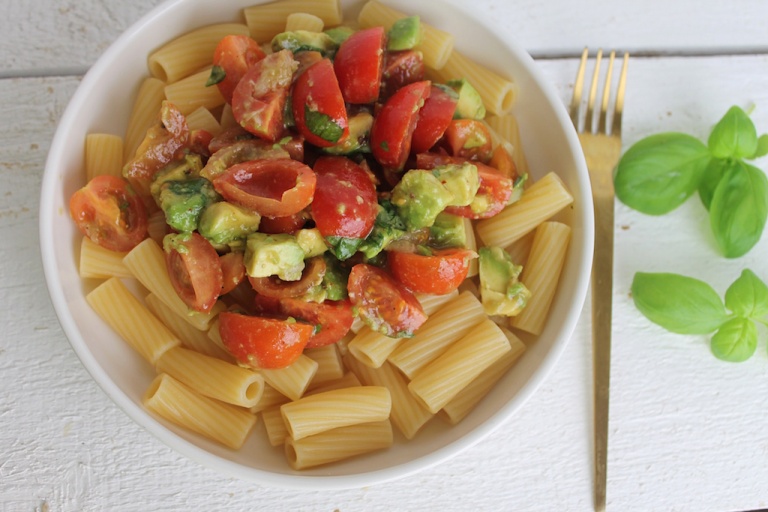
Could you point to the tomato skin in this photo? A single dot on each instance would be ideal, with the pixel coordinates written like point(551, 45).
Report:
point(108, 212)
point(393, 126)
point(262, 342)
point(259, 98)
point(469, 138)
point(271, 187)
point(232, 270)
point(359, 63)
point(438, 274)
point(434, 117)
point(316, 91)
point(274, 287)
point(400, 69)
point(235, 55)
point(287, 224)
point(334, 318)
point(345, 202)
point(385, 304)
point(195, 270)
point(502, 161)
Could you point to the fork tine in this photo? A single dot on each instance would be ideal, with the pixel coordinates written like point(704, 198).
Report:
point(593, 93)
point(619, 109)
point(578, 88)
point(601, 127)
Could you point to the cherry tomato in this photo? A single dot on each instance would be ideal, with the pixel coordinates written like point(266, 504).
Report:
point(469, 138)
point(273, 188)
point(239, 152)
point(393, 126)
point(273, 286)
point(108, 212)
point(358, 64)
point(400, 69)
point(502, 161)
point(199, 140)
point(232, 270)
point(345, 202)
point(195, 270)
point(318, 107)
point(287, 224)
point(438, 274)
point(234, 56)
point(434, 118)
point(385, 304)
point(334, 318)
point(262, 342)
point(229, 136)
point(259, 99)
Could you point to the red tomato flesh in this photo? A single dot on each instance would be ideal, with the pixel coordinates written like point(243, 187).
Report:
point(434, 118)
point(359, 63)
point(469, 138)
point(235, 55)
point(318, 106)
point(334, 318)
point(393, 126)
point(261, 342)
point(400, 69)
point(438, 274)
point(195, 270)
point(232, 270)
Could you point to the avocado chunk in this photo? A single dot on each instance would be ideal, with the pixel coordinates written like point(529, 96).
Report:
point(335, 279)
point(305, 41)
point(339, 34)
point(405, 34)
point(358, 139)
point(311, 242)
point(448, 231)
point(461, 180)
point(273, 255)
point(188, 167)
point(470, 104)
point(224, 223)
point(518, 187)
point(419, 198)
point(387, 228)
point(501, 292)
point(183, 202)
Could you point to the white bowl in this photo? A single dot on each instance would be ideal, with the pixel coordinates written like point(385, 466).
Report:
point(102, 104)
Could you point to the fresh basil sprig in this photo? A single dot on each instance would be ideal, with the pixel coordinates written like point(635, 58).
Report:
point(686, 305)
point(659, 173)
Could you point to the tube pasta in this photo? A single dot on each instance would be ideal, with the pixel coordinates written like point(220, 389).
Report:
point(202, 119)
point(177, 403)
point(270, 397)
point(372, 348)
point(474, 265)
point(338, 444)
point(273, 422)
point(429, 303)
point(265, 21)
point(190, 93)
point(541, 201)
point(329, 365)
point(338, 408)
point(293, 380)
point(303, 21)
point(103, 155)
point(156, 226)
point(349, 380)
point(143, 114)
point(442, 379)
point(119, 308)
point(542, 273)
point(100, 263)
point(521, 248)
point(506, 127)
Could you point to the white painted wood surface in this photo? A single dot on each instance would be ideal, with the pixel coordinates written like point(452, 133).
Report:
point(688, 432)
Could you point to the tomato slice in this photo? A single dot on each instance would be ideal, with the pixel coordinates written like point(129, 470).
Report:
point(434, 118)
point(400, 69)
point(199, 140)
point(259, 98)
point(470, 139)
point(274, 287)
point(273, 188)
point(438, 274)
point(238, 152)
point(345, 203)
point(318, 106)
point(232, 270)
point(108, 212)
point(333, 318)
point(358, 63)
point(232, 58)
point(383, 303)
point(261, 342)
point(502, 161)
point(287, 224)
point(393, 126)
point(195, 270)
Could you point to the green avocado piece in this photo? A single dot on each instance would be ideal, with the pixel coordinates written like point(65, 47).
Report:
point(470, 104)
point(273, 255)
point(501, 292)
point(419, 198)
point(305, 41)
point(448, 231)
point(387, 228)
point(335, 279)
point(189, 167)
point(223, 223)
point(358, 139)
point(339, 34)
point(405, 34)
point(311, 242)
point(183, 202)
point(461, 180)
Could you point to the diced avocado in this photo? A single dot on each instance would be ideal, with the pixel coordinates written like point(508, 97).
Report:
point(419, 198)
point(311, 242)
point(358, 139)
point(461, 180)
point(387, 228)
point(303, 41)
point(339, 34)
point(500, 291)
point(405, 34)
point(273, 255)
point(470, 104)
point(183, 202)
point(518, 188)
point(448, 231)
point(224, 223)
point(335, 279)
point(179, 170)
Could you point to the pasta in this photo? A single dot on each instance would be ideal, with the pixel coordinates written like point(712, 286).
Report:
point(265, 21)
point(329, 365)
point(506, 127)
point(98, 262)
point(270, 397)
point(143, 114)
point(273, 422)
point(293, 380)
point(103, 155)
point(303, 21)
point(190, 93)
point(202, 119)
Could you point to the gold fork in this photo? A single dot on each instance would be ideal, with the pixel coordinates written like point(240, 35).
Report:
point(602, 148)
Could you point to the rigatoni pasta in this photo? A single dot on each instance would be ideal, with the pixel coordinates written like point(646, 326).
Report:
point(103, 155)
point(265, 21)
point(304, 21)
point(100, 263)
point(144, 111)
point(191, 93)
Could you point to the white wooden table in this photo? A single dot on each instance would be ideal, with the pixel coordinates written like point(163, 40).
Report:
point(687, 433)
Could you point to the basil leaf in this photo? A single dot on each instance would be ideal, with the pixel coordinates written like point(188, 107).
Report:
point(739, 209)
point(735, 341)
point(217, 76)
point(680, 304)
point(747, 296)
point(343, 248)
point(657, 174)
point(322, 125)
point(762, 146)
point(734, 136)
point(710, 179)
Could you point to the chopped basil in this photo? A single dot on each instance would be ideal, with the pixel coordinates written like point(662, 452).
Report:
point(322, 125)
point(217, 75)
point(343, 248)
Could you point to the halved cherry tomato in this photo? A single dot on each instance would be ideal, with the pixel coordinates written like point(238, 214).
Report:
point(469, 138)
point(195, 270)
point(502, 161)
point(434, 118)
point(358, 63)
point(393, 126)
point(400, 69)
point(345, 202)
point(259, 99)
point(438, 274)
point(273, 188)
point(199, 140)
point(229, 136)
point(287, 224)
point(385, 304)
point(318, 107)
point(108, 212)
point(239, 152)
point(262, 342)
point(333, 318)
point(234, 56)
point(273, 286)
point(232, 270)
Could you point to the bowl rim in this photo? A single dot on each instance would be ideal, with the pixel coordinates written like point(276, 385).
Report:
point(296, 480)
